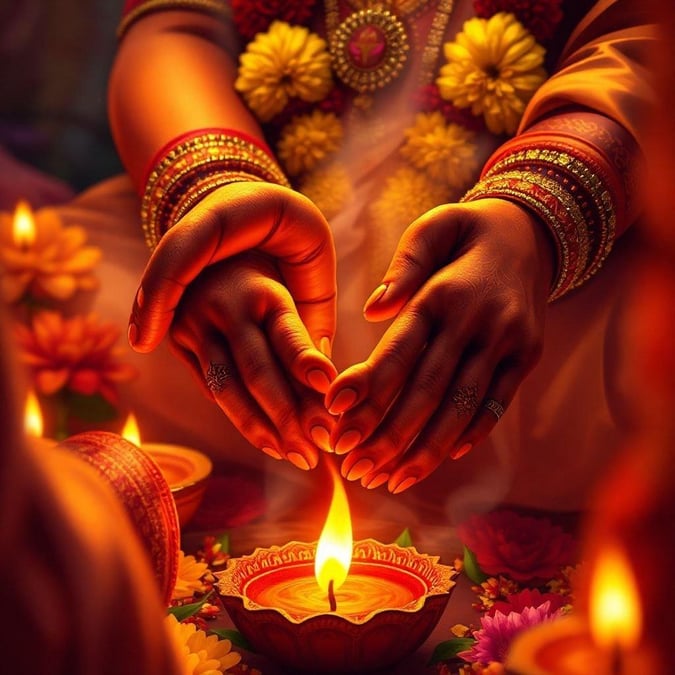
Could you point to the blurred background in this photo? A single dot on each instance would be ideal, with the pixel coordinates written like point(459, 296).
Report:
point(54, 61)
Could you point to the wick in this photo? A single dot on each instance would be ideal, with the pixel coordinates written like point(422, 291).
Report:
point(616, 656)
point(331, 597)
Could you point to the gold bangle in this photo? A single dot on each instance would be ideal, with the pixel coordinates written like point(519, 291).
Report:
point(581, 167)
point(194, 167)
point(585, 180)
point(557, 209)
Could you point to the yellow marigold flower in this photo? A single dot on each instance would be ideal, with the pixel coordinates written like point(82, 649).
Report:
point(53, 266)
point(494, 66)
point(330, 188)
point(204, 655)
point(445, 151)
point(308, 140)
point(407, 194)
point(285, 62)
point(189, 578)
point(75, 353)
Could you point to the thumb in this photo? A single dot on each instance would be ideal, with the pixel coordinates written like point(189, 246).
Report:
point(292, 232)
point(424, 248)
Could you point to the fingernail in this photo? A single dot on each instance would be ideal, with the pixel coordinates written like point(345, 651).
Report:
point(403, 485)
point(360, 469)
point(132, 333)
point(321, 437)
point(462, 451)
point(271, 452)
point(298, 460)
point(348, 441)
point(380, 479)
point(140, 297)
point(343, 401)
point(325, 346)
point(318, 380)
point(375, 296)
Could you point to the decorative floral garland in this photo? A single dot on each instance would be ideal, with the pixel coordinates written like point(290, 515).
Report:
point(492, 69)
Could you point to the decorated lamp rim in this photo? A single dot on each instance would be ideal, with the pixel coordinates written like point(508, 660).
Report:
point(436, 577)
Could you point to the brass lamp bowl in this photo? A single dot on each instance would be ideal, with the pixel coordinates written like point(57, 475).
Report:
point(405, 593)
point(186, 471)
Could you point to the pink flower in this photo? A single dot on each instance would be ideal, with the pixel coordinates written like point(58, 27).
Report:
point(497, 632)
point(523, 548)
point(517, 602)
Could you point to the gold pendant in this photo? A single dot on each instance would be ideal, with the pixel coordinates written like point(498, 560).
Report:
point(369, 49)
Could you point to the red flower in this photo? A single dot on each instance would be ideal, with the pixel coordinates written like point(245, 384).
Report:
point(517, 602)
point(540, 17)
point(520, 547)
point(255, 16)
point(335, 102)
point(211, 552)
point(428, 99)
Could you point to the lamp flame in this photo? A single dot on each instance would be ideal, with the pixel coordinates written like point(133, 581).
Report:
point(23, 225)
point(334, 549)
point(32, 420)
point(615, 613)
point(131, 431)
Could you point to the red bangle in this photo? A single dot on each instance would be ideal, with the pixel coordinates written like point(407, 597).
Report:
point(193, 165)
point(571, 186)
point(133, 10)
point(195, 133)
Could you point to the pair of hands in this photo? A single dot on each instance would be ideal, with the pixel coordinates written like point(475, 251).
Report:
point(245, 285)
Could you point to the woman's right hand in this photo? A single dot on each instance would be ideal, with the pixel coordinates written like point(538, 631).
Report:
point(262, 217)
point(286, 307)
point(237, 329)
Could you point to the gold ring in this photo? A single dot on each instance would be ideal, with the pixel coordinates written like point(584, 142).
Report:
point(494, 407)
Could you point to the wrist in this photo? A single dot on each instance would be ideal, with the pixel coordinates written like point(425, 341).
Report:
point(572, 191)
point(195, 164)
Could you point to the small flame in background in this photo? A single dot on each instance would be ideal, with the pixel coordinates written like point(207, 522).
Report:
point(615, 611)
point(23, 228)
point(131, 431)
point(33, 423)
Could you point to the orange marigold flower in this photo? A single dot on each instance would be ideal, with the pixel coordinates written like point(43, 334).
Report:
point(53, 266)
point(77, 354)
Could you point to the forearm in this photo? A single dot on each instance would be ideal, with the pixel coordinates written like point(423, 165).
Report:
point(576, 158)
point(172, 75)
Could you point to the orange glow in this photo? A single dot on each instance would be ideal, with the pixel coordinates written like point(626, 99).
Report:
point(131, 431)
point(23, 227)
point(615, 613)
point(32, 420)
point(334, 550)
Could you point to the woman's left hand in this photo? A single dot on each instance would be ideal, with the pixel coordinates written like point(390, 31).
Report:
point(468, 287)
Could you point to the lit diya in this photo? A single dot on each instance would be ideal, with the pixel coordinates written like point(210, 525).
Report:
point(186, 470)
point(603, 643)
point(336, 606)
